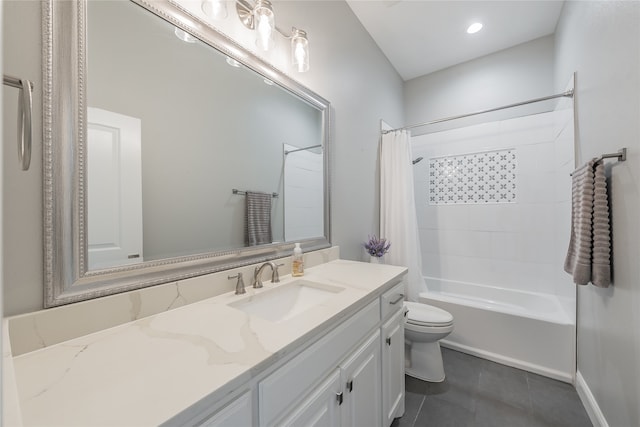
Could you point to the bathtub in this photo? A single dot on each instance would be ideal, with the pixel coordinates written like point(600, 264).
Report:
point(526, 330)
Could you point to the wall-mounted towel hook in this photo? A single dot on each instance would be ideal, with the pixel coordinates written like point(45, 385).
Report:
point(24, 118)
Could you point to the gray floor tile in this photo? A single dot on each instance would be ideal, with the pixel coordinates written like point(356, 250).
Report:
point(437, 412)
point(461, 368)
point(496, 413)
point(425, 388)
point(412, 404)
point(504, 384)
point(556, 403)
point(478, 393)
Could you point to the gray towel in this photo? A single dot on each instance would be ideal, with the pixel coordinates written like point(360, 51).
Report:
point(257, 218)
point(588, 256)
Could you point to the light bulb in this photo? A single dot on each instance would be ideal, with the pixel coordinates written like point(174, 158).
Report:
point(299, 50)
point(215, 9)
point(300, 56)
point(264, 32)
point(264, 24)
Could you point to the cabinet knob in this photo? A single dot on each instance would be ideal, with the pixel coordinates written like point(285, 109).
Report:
point(339, 397)
point(350, 385)
point(388, 340)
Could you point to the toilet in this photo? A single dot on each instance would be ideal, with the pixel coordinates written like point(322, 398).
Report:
point(424, 326)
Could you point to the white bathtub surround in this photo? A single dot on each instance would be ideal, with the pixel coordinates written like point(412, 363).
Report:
point(398, 223)
point(147, 371)
point(519, 245)
point(526, 330)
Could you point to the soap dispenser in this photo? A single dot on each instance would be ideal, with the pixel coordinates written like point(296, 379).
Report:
point(297, 264)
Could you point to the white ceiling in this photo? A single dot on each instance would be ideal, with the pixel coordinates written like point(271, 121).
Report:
point(422, 36)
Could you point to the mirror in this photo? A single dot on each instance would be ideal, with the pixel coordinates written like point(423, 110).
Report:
point(158, 131)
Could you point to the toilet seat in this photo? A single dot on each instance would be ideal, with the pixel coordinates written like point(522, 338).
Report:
point(419, 314)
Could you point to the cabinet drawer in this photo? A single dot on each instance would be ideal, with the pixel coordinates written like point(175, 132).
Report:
point(391, 301)
point(284, 387)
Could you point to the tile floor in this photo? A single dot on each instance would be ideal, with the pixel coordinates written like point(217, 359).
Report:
point(481, 393)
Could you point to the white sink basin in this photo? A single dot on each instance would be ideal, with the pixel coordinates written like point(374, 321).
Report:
point(286, 301)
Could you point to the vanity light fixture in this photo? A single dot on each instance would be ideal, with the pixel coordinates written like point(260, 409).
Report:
point(474, 28)
point(299, 50)
point(215, 9)
point(261, 18)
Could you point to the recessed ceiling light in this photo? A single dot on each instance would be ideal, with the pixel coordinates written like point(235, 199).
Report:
point(474, 28)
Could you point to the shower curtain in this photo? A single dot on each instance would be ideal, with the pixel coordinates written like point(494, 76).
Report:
point(398, 221)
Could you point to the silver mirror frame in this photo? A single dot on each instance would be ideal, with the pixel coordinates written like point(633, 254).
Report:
point(64, 161)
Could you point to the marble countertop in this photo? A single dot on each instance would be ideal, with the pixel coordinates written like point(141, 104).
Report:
point(149, 370)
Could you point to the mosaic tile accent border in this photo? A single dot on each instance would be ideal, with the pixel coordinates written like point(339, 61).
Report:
point(475, 178)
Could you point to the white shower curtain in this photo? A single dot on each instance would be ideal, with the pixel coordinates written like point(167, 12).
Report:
point(398, 222)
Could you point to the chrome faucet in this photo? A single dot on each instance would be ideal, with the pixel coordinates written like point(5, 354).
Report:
point(257, 274)
point(240, 284)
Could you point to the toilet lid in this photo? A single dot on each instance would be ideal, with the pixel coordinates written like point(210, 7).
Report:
point(427, 315)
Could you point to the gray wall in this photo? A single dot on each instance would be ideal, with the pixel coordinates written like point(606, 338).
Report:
point(22, 191)
point(600, 40)
point(505, 77)
point(347, 68)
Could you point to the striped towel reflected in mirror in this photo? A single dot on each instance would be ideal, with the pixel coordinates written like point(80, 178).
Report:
point(257, 218)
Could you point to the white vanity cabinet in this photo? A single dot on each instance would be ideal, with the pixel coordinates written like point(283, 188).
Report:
point(392, 334)
point(361, 379)
point(296, 385)
point(393, 368)
point(349, 396)
point(237, 413)
point(320, 409)
point(234, 411)
point(333, 383)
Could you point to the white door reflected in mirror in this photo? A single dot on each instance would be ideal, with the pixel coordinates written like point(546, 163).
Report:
point(114, 180)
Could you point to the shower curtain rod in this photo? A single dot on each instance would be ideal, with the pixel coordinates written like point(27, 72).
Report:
point(567, 94)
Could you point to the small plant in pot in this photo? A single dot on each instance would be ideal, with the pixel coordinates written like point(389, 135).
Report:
point(376, 248)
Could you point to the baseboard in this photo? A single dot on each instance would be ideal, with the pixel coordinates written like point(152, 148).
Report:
point(590, 404)
point(514, 363)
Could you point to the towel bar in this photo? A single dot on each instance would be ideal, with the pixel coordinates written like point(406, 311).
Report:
point(24, 118)
point(621, 155)
point(242, 193)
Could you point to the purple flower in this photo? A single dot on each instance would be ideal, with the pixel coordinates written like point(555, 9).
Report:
point(376, 247)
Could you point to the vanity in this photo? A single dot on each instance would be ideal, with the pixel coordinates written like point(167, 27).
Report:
point(331, 354)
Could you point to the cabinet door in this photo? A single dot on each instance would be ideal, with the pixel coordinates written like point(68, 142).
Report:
point(237, 413)
point(393, 368)
point(321, 408)
point(361, 382)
